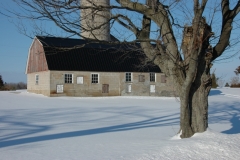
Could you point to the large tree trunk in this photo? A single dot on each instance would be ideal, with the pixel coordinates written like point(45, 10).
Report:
point(199, 106)
point(194, 113)
point(197, 84)
point(194, 105)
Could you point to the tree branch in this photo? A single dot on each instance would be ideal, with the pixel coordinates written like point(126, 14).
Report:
point(227, 20)
point(130, 26)
point(236, 9)
point(134, 6)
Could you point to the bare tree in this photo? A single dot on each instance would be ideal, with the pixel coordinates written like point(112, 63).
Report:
point(220, 82)
point(1, 82)
point(187, 64)
point(237, 70)
point(235, 82)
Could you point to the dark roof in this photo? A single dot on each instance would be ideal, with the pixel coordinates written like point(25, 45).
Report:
point(114, 38)
point(62, 54)
point(77, 43)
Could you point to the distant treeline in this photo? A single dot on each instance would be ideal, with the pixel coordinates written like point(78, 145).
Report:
point(11, 86)
point(235, 85)
point(235, 82)
point(14, 86)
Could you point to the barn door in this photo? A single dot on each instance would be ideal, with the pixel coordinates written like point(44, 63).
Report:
point(105, 88)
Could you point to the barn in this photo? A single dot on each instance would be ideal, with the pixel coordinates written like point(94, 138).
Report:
point(76, 67)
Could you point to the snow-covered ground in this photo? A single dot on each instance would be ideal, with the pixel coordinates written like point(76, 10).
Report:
point(35, 127)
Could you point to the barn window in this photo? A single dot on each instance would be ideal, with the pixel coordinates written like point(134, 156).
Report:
point(152, 77)
point(36, 79)
point(128, 77)
point(79, 80)
point(163, 79)
point(152, 88)
point(95, 78)
point(105, 88)
point(129, 88)
point(141, 78)
point(59, 88)
point(68, 78)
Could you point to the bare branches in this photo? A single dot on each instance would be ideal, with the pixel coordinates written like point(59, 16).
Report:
point(225, 6)
point(134, 6)
point(196, 6)
point(227, 20)
point(45, 10)
point(129, 26)
point(237, 70)
point(160, 15)
point(236, 9)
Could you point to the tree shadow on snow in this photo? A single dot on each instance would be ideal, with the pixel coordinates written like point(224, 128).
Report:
point(225, 113)
point(235, 120)
point(12, 140)
point(214, 92)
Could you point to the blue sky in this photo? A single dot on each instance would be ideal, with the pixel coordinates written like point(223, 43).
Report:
point(14, 51)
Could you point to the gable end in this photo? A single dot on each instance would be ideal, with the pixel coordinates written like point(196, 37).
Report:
point(36, 58)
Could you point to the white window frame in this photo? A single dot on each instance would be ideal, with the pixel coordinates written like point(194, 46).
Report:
point(151, 75)
point(127, 74)
point(59, 88)
point(80, 80)
point(68, 81)
point(36, 79)
point(152, 88)
point(129, 88)
point(93, 81)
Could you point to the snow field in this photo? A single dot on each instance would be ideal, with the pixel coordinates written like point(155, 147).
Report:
point(97, 128)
